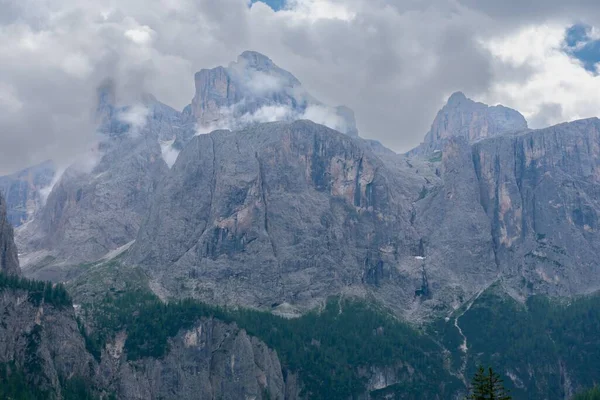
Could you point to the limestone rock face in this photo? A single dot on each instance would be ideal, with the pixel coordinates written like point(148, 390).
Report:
point(253, 89)
point(347, 115)
point(473, 121)
point(43, 341)
point(9, 260)
point(281, 215)
point(523, 208)
point(98, 203)
point(455, 231)
point(280, 212)
point(25, 191)
point(288, 214)
point(213, 360)
point(540, 191)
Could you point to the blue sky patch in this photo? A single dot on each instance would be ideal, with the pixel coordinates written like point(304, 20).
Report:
point(580, 45)
point(274, 4)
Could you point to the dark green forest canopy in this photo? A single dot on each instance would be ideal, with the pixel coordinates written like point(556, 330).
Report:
point(38, 291)
point(527, 343)
point(326, 348)
point(532, 344)
point(591, 394)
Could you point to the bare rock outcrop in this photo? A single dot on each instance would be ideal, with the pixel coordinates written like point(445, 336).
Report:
point(470, 120)
point(9, 258)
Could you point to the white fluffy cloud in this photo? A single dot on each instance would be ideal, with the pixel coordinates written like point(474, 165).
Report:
point(558, 89)
point(392, 61)
point(325, 116)
point(315, 10)
point(136, 116)
point(270, 113)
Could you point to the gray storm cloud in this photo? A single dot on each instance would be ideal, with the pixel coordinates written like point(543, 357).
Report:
point(393, 61)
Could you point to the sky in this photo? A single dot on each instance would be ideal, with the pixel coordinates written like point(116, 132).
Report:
point(394, 62)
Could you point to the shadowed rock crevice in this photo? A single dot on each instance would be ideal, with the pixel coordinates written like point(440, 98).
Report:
point(263, 199)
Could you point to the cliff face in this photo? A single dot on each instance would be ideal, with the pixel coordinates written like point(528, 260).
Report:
point(254, 89)
point(25, 192)
point(462, 117)
point(9, 260)
point(247, 85)
point(455, 231)
point(292, 213)
point(42, 341)
point(281, 213)
point(523, 208)
point(213, 360)
point(40, 338)
point(98, 203)
point(540, 192)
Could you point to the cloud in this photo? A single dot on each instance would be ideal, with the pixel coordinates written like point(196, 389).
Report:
point(8, 99)
point(233, 120)
point(393, 61)
point(136, 116)
point(142, 35)
point(315, 10)
point(325, 116)
point(558, 88)
point(260, 83)
point(268, 114)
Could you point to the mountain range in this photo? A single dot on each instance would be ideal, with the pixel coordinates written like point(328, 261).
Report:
point(259, 197)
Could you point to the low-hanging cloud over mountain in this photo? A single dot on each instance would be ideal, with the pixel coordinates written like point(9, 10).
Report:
point(392, 61)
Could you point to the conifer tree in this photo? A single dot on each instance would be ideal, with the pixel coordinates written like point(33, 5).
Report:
point(487, 386)
point(592, 394)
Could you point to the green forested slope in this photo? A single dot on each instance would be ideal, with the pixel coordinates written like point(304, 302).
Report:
point(544, 348)
point(327, 348)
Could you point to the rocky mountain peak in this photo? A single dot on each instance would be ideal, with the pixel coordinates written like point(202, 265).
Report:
point(256, 60)
point(457, 98)
point(471, 120)
point(254, 89)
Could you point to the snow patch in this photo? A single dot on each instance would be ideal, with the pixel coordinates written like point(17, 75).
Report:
point(116, 252)
point(136, 116)
point(169, 153)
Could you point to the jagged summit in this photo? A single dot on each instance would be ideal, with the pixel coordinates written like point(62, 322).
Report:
point(254, 89)
point(456, 99)
point(471, 120)
point(256, 60)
